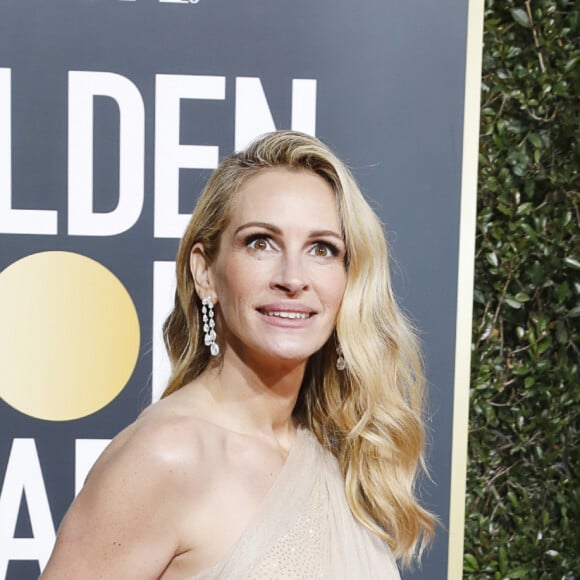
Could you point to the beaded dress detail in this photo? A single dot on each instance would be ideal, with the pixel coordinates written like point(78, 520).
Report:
point(304, 528)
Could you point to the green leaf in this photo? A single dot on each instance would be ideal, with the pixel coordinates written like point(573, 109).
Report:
point(470, 563)
point(537, 272)
point(491, 257)
point(529, 230)
point(571, 64)
point(524, 208)
point(545, 345)
point(561, 333)
point(512, 302)
point(572, 262)
point(536, 140)
point(521, 17)
point(562, 291)
point(502, 560)
point(513, 499)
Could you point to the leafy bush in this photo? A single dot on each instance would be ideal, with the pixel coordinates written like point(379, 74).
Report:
point(523, 488)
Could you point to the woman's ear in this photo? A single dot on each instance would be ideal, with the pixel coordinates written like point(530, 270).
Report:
point(201, 272)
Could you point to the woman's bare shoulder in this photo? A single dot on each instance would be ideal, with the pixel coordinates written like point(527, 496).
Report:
point(163, 437)
point(137, 503)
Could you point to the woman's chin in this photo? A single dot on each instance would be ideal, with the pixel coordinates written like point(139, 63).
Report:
point(277, 357)
point(286, 358)
point(273, 353)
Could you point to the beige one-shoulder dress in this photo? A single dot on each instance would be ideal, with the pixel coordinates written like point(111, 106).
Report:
point(305, 529)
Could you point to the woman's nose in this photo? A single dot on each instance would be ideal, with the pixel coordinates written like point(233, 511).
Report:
point(291, 275)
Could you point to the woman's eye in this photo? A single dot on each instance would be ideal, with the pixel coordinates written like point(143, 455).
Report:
point(258, 243)
point(324, 250)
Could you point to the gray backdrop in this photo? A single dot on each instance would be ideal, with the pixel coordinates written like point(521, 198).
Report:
point(389, 86)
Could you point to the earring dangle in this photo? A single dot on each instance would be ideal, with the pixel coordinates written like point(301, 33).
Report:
point(340, 362)
point(209, 326)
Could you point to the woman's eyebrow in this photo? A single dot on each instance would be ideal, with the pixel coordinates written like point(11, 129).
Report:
point(326, 233)
point(264, 225)
point(278, 231)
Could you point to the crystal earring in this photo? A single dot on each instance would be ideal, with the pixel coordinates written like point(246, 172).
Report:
point(340, 362)
point(209, 326)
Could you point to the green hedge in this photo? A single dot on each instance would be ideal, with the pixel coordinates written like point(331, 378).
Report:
point(523, 481)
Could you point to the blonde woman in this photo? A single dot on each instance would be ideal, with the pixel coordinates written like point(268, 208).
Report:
point(288, 440)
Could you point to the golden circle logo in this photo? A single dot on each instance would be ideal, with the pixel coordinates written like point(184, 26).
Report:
point(69, 336)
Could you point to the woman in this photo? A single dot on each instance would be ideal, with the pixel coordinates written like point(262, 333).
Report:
point(289, 437)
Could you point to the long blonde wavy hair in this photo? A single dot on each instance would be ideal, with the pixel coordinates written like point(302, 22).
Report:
point(369, 415)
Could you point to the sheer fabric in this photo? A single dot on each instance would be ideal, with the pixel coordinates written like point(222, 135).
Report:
point(305, 529)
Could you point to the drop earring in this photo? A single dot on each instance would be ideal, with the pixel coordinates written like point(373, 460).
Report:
point(209, 326)
point(340, 362)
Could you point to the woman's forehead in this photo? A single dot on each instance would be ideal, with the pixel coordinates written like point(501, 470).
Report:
point(286, 195)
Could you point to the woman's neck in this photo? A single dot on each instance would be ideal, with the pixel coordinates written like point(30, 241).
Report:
point(257, 399)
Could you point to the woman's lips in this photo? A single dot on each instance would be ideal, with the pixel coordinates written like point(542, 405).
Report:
point(282, 315)
point(288, 315)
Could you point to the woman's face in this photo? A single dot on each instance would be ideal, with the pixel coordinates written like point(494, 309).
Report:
point(279, 275)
